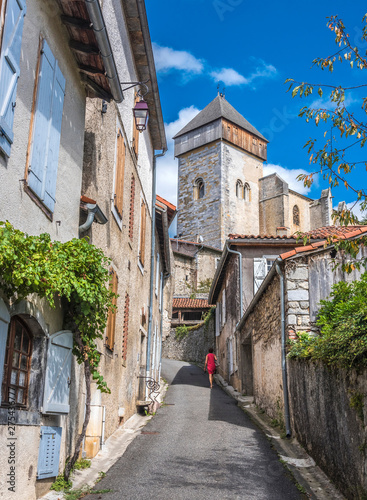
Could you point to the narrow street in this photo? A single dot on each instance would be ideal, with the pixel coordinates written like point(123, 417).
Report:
point(199, 445)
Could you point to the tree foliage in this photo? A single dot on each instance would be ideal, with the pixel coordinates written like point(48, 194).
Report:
point(333, 162)
point(343, 328)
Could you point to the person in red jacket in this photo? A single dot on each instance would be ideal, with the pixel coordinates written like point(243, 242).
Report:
point(210, 360)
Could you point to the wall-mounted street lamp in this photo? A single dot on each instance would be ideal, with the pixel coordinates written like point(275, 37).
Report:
point(140, 110)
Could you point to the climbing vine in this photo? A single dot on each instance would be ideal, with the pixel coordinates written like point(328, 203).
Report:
point(74, 271)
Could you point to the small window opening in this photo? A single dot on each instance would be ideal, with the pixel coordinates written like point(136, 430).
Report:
point(296, 215)
point(239, 189)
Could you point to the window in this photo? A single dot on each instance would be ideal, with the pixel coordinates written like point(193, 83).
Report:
point(296, 215)
point(17, 364)
point(143, 214)
point(44, 140)
point(239, 189)
point(135, 131)
point(118, 195)
point(111, 321)
point(199, 189)
point(217, 260)
point(9, 67)
point(132, 201)
point(160, 292)
point(247, 192)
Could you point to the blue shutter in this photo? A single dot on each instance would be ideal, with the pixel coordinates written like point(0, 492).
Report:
point(42, 172)
point(58, 373)
point(9, 69)
point(4, 324)
point(49, 452)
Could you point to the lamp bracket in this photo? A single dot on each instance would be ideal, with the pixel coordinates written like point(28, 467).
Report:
point(134, 84)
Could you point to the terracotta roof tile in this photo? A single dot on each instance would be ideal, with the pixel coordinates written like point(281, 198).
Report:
point(184, 303)
point(315, 234)
point(336, 232)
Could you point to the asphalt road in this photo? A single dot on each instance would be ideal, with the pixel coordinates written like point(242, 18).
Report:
point(199, 445)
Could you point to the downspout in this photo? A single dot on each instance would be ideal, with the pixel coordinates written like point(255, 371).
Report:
point(152, 254)
point(100, 32)
point(241, 290)
point(92, 209)
point(284, 361)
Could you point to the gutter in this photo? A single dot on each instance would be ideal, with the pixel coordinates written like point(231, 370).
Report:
point(100, 32)
point(152, 253)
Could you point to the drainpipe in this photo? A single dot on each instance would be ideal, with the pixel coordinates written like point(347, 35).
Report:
point(284, 361)
point(241, 290)
point(100, 32)
point(94, 212)
point(151, 295)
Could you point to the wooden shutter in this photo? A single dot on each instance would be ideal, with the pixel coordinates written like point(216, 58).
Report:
point(135, 131)
point(217, 320)
point(260, 271)
point(125, 331)
point(58, 373)
point(43, 163)
point(111, 322)
point(9, 69)
point(120, 170)
point(49, 452)
point(4, 325)
point(157, 276)
point(132, 202)
point(142, 233)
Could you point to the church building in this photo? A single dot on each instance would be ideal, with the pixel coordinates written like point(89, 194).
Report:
point(221, 188)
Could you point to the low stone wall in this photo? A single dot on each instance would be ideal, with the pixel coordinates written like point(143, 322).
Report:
point(193, 347)
point(328, 415)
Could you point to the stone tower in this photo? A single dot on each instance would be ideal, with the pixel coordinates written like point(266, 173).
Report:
point(220, 161)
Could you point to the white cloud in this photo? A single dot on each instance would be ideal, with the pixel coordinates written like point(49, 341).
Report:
point(325, 103)
point(167, 59)
point(229, 77)
point(356, 209)
point(167, 165)
point(289, 176)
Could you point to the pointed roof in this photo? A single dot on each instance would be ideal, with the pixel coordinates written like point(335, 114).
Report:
point(219, 108)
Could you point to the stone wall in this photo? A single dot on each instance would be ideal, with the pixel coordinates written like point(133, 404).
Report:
point(328, 417)
point(194, 347)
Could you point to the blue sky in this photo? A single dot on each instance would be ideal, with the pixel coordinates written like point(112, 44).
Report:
point(251, 49)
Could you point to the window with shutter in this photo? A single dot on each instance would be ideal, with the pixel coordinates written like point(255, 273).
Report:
point(160, 292)
point(17, 364)
point(58, 373)
point(49, 452)
point(119, 174)
point(143, 213)
point(111, 321)
point(126, 326)
point(260, 271)
point(9, 69)
point(223, 307)
point(45, 133)
point(157, 276)
point(217, 320)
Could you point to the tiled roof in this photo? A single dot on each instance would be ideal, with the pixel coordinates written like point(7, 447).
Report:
point(339, 233)
point(183, 303)
point(219, 108)
point(315, 234)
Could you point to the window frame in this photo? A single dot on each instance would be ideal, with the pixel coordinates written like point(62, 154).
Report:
point(199, 189)
point(111, 320)
point(9, 356)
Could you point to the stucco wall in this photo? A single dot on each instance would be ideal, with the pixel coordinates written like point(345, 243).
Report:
point(263, 326)
point(17, 206)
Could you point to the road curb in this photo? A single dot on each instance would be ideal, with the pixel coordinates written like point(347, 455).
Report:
point(303, 468)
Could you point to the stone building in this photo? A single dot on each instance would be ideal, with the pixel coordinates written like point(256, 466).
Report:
point(221, 188)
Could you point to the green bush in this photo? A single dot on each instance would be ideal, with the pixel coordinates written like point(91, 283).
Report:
point(343, 328)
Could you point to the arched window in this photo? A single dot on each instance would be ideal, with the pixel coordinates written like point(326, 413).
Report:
point(17, 363)
point(247, 192)
point(199, 189)
point(296, 215)
point(239, 189)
